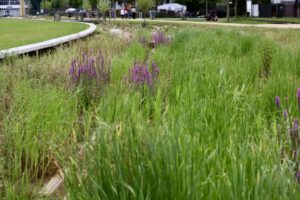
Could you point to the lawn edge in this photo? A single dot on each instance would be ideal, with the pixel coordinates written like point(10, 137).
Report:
point(48, 43)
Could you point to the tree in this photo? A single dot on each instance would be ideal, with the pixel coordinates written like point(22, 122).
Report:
point(144, 6)
point(57, 4)
point(103, 6)
point(227, 11)
point(93, 3)
point(86, 4)
point(35, 6)
point(75, 3)
point(235, 9)
point(264, 2)
point(196, 5)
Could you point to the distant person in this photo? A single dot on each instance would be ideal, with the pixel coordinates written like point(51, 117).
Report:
point(122, 13)
point(133, 12)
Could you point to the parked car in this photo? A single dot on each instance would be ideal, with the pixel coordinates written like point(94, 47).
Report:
point(72, 11)
point(6, 15)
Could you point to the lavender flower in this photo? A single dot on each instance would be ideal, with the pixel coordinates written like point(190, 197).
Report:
point(296, 126)
point(277, 101)
point(158, 38)
point(297, 176)
point(88, 68)
point(155, 70)
point(140, 74)
point(290, 142)
point(90, 72)
point(298, 95)
point(285, 114)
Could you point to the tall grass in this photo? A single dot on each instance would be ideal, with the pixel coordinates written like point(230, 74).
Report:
point(207, 132)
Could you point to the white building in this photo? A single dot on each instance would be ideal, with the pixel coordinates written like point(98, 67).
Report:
point(12, 7)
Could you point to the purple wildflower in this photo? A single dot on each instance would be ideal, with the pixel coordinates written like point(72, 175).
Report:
point(297, 176)
point(285, 114)
point(140, 74)
point(296, 125)
point(90, 67)
point(277, 101)
point(298, 95)
point(158, 38)
point(293, 130)
point(155, 70)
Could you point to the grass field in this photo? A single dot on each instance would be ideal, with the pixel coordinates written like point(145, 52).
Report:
point(203, 127)
point(17, 32)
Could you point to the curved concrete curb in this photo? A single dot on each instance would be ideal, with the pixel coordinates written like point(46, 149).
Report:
point(46, 44)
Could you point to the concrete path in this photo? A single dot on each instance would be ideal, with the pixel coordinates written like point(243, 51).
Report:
point(270, 26)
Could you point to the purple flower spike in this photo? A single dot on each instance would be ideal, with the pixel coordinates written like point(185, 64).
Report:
point(158, 38)
point(297, 176)
point(298, 95)
point(277, 101)
point(285, 114)
point(90, 67)
point(296, 125)
point(140, 74)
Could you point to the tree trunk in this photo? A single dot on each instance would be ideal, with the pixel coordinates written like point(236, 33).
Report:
point(298, 11)
point(206, 7)
point(235, 9)
point(104, 16)
point(228, 11)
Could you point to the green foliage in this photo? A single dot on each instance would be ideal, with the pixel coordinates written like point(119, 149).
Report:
point(47, 4)
point(93, 3)
point(75, 3)
point(266, 58)
point(86, 5)
point(35, 6)
point(103, 6)
point(144, 6)
point(56, 4)
point(198, 4)
point(208, 130)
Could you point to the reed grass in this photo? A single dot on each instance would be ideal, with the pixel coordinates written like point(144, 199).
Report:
point(207, 132)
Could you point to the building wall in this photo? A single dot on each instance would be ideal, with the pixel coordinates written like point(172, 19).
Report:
point(12, 7)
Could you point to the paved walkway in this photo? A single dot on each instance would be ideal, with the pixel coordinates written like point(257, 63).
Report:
point(272, 26)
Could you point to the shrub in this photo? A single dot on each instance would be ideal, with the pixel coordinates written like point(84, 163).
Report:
point(266, 58)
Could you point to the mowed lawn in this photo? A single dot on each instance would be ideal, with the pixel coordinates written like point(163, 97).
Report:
point(18, 32)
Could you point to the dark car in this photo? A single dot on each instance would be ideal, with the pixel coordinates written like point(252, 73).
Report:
point(6, 15)
point(73, 11)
